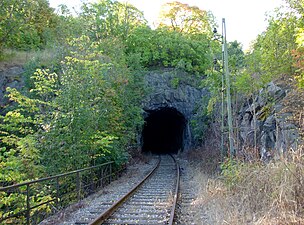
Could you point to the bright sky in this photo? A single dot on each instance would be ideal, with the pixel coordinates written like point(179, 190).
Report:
point(245, 19)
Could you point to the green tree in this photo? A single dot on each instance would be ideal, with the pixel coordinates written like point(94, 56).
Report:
point(95, 115)
point(20, 157)
point(11, 18)
point(86, 114)
point(297, 5)
point(186, 19)
point(23, 24)
point(272, 51)
point(298, 56)
point(66, 26)
point(109, 18)
point(236, 57)
point(298, 52)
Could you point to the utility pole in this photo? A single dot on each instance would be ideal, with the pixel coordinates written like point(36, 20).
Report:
point(228, 95)
point(225, 88)
point(223, 152)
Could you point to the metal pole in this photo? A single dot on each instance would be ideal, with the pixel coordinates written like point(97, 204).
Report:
point(223, 105)
point(78, 186)
point(28, 206)
point(227, 76)
point(57, 191)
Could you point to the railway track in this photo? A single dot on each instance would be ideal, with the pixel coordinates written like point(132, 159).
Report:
point(152, 201)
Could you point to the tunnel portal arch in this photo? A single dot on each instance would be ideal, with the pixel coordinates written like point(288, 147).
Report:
point(164, 131)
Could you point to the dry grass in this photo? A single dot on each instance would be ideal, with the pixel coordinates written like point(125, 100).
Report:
point(206, 160)
point(10, 57)
point(253, 193)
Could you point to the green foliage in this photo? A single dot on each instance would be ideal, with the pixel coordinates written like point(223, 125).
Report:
point(20, 158)
point(23, 24)
point(278, 50)
point(272, 51)
point(242, 82)
point(231, 172)
point(166, 48)
point(87, 114)
point(175, 82)
point(110, 18)
point(213, 80)
point(19, 155)
point(228, 171)
point(265, 112)
point(183, 44)
point(213, 76)
point(186, 19)
point(297, 5)
point(83, 107)
point(211, 105)
point(236, 57)
point(65, 26)
point(298, 57)
point(93, 110)
point(199, 124)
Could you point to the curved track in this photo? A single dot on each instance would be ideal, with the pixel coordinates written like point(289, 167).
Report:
point(152, 201)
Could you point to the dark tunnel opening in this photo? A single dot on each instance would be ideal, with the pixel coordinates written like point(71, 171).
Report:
point(163, 132)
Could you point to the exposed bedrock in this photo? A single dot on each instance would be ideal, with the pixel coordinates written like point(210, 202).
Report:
point(172, 105)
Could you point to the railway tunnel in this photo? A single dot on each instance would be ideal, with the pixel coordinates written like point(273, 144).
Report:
point(164, 131)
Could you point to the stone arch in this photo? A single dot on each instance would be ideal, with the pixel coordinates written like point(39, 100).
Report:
point(185, 99)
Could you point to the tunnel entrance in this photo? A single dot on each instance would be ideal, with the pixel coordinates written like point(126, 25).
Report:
point(163, 132)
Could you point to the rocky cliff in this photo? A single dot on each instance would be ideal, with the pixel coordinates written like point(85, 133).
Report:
point(267, 121)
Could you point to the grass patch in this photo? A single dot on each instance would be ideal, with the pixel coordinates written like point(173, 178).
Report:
point(10, 57)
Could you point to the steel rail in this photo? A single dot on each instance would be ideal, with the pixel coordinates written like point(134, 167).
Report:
point(107, 213)
point(175, 193)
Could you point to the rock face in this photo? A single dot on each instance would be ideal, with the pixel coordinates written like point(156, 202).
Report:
point(271, 126)
point(10, 77)
point(170, 89)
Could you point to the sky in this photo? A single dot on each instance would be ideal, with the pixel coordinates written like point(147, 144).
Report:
point(245, 19)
